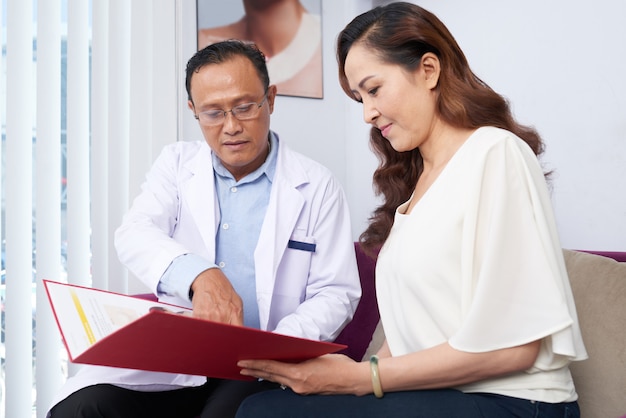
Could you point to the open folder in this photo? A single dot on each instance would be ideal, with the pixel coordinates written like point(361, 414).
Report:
point(112, 329)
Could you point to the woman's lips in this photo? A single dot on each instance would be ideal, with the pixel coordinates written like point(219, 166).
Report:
point(384, 130)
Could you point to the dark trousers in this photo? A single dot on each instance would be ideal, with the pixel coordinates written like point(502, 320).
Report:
point(445, 403)
point(216, 399)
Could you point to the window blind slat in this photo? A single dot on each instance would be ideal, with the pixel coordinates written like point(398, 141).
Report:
point(118, 140)
point(165, 81)
point(142, 101)
point(18, 208)
point(49, 376)
point(99, 143)
point(78, 230)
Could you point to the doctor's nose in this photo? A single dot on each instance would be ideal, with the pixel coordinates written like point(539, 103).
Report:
point(231, 125)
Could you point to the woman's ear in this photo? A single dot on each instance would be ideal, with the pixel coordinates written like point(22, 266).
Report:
point(431, 68)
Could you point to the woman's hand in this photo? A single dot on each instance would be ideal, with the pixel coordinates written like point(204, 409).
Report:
point(329, 374)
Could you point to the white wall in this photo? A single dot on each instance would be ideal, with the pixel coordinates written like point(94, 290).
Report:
point(561, 64)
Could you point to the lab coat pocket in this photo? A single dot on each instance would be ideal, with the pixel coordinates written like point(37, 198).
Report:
point(302, 243)
point(296, 265)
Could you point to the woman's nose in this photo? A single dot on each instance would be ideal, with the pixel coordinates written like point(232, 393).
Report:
point(370, 113)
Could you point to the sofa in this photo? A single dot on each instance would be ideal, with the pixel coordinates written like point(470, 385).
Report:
point(598, 281)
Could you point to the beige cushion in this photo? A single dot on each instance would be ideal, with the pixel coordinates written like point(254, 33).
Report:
point(599, 287)
point(377, 341)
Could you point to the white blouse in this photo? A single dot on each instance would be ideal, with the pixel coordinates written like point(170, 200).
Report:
point(478, 263)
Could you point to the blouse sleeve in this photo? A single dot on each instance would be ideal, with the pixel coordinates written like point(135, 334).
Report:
point(515, 285)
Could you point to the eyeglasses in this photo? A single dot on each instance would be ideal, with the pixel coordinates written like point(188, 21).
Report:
point(244, 111)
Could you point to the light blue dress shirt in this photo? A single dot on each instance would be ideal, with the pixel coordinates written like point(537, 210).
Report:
point(242, 206)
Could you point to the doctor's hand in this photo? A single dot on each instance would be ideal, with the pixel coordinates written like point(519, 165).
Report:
point(215, 299)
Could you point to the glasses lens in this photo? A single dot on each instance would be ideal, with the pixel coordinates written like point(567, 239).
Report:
point(242, 112)
point(246, 111)
point(211, 117)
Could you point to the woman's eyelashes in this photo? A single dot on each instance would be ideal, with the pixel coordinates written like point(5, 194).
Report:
point(373, 91)
point(370, 92)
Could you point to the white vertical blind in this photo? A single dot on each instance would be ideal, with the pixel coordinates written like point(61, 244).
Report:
point(2, 107)
point(18, 208)
point(118, 129)
point(99, 143)
point(142, 96)
point(153, 93)
point(78, 229)
point(116, 123)
point(78, 172)
point(48, 196)
point(165, 81)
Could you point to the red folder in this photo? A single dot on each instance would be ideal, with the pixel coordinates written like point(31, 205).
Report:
point(166, 341)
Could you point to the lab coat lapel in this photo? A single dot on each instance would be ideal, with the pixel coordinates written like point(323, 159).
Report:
point(284, 209)
point(201, 197)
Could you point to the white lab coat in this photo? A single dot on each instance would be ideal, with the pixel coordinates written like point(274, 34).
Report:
point(299, 293)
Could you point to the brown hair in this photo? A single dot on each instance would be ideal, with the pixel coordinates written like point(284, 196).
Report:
point(401, 33)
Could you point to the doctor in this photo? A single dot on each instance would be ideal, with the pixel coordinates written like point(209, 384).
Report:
point(239, 227)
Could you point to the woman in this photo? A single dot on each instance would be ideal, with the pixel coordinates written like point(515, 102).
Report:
point(473, 293)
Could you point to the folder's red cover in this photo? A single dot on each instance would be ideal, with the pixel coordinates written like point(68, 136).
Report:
point(171, 342)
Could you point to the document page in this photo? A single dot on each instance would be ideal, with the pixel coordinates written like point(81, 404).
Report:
point(86, 315)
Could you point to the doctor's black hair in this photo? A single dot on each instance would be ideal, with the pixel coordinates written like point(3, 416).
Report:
point(220, 52)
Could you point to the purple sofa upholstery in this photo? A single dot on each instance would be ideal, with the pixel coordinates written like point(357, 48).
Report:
point(358, 333)
point(615, 255)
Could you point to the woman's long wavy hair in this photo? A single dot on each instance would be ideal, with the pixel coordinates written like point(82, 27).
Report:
point(401, 33)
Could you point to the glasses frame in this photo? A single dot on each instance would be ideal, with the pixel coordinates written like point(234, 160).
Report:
point(232, 111)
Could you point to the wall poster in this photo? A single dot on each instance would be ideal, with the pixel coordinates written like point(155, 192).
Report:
point(289, 32)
